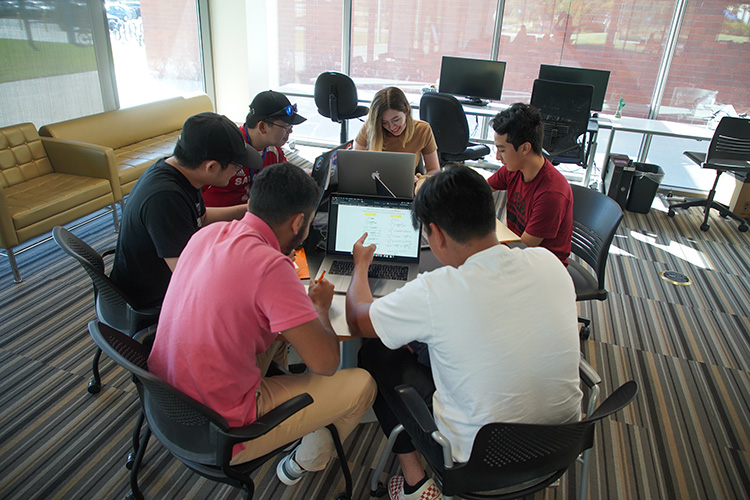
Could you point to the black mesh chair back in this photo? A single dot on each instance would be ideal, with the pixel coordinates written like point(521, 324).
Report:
point(193, 433)
point(729, 151)
point(113, 306)
point(448, 121)
point(336, 98)
point(566, 109)
point(519, 459)
point(596, 218)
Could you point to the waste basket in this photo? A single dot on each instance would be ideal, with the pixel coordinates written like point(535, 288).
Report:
point(646, 180)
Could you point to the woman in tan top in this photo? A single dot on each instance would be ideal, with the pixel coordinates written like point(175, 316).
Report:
point(390, 127)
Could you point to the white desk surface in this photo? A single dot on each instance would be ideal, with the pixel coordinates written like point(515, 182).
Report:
point(655, 127)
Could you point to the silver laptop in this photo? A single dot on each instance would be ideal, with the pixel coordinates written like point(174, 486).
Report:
point(358, 171)
point(387, 222)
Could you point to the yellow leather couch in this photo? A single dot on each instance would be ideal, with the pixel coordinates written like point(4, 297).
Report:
point(45, 182)
point(136, 136)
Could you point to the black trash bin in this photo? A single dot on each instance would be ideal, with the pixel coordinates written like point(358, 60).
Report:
point(646, 180)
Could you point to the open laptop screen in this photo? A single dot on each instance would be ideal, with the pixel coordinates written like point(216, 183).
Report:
point(387, 222)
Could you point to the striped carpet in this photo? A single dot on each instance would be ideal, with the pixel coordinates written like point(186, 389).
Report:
point(685, 436)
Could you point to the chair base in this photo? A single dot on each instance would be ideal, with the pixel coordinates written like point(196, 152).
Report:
point(723, 210)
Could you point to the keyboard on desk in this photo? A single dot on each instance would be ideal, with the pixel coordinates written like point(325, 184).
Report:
point(376, 271)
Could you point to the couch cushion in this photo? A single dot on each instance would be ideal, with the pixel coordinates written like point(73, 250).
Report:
point(133, 160)
point(123, 127)
point(22, 155)
point(44, 196)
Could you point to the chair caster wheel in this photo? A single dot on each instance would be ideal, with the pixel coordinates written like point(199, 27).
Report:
point(342, 496)
point(670, 213)
point(93, 387)
point(130, 461)
point(380, 491)
point(704, 227)
point(742, 228)
point(585, 332)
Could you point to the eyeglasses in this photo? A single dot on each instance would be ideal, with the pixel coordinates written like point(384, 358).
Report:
point(287, 111)
point(287, 128)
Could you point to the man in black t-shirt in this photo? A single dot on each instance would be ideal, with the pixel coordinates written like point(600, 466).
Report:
point(165, 208)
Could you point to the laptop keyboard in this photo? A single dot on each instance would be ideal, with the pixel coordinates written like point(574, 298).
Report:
point(376, 271)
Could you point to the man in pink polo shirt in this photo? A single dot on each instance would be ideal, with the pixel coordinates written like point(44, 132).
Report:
point(233, 291)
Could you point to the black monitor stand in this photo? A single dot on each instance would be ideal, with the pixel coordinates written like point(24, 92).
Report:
point(474, 101)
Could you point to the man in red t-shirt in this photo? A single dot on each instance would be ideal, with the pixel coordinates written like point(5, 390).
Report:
point(267, 127)
point(540, 201)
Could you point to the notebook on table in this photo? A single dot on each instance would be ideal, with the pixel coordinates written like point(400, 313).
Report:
point(359, 172)
point(387, 221)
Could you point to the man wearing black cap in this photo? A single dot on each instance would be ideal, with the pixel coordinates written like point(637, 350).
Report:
point(165, 208)
point(267, 127)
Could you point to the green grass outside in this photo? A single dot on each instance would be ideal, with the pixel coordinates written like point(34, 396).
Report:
point(19, 61)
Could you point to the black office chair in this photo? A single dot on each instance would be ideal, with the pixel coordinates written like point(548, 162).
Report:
point(729, 151)
point(336, 98)
point(596, 218)
point(510, 460)
point(113, 306)
point(447, 118)
point(193, 433)
point(566, 109)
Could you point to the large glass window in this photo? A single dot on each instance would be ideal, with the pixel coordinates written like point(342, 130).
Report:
point(156, 49)
point(309, 40)
point(48, 68)
point(402, 43)
point(625, 37)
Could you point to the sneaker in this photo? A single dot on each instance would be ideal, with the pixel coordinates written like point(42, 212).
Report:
point(288, 470)
point(428, 491)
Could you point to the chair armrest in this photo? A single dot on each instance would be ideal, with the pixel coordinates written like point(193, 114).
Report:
point(588, 374)
point(8, 235)
point(270, 420)
point(80, 158)
point(417, 408)
point(109, 251)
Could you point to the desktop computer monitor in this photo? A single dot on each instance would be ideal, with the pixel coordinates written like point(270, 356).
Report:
point(479, 80)
point(596, 77)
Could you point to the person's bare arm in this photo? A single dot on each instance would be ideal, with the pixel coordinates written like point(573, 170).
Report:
point(214, 214)
point(315, 341)
point(431, 163)
point(359, 147)
point(531, 241)
point(359, 296)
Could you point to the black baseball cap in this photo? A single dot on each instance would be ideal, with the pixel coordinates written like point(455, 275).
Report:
point(210, 136)
point(270, 104)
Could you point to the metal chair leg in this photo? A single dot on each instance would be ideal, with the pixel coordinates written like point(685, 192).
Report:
point(377, 489)
point(344, 464)
point(14, 267)
point(95, 384)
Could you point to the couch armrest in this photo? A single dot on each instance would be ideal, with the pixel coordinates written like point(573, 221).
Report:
point(8, 236)
point(81, 158)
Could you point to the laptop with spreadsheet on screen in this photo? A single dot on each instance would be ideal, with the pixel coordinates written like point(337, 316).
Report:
point(387, 221)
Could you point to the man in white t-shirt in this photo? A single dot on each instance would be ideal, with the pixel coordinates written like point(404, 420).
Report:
point(500, 325)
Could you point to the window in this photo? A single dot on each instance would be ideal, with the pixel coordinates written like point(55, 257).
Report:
point(48, 67)
point(156, 49)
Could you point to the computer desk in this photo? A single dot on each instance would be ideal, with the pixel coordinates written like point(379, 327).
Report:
point(648, 128)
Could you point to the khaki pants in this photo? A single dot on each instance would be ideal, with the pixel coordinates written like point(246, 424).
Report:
point(341, 399)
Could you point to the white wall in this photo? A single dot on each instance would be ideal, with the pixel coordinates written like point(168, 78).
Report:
point(245, 52)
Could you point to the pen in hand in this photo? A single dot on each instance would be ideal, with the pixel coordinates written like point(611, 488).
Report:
point(322, 275)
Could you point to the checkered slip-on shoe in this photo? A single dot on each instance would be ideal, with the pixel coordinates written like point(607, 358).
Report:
point(428, 491)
